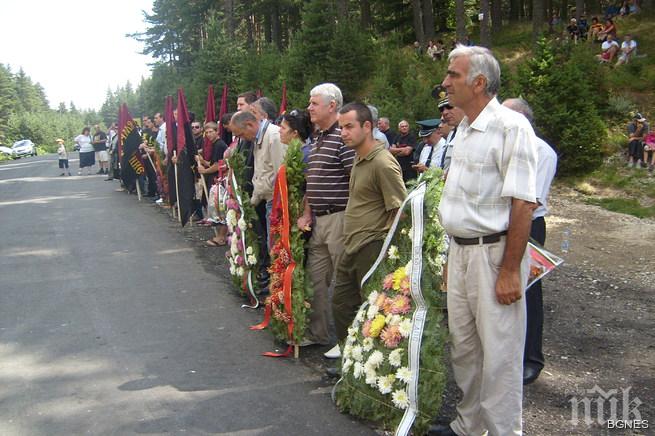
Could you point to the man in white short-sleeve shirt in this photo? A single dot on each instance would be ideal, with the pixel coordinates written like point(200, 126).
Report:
point(533, 356)
point(486, 208)
point(628, 49)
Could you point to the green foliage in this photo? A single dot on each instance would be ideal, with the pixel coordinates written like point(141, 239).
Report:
point(565, 87)
point(620, 106)
point(628, 206)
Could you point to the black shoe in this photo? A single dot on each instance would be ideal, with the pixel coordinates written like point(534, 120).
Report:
point(440, 430)
point(100, 172)
point(530, 374)
point(333, 372)
point(109, 179)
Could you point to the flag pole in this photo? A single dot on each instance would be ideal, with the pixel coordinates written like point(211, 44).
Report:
point(138, 189)
point(204, 186)
point(177, 189)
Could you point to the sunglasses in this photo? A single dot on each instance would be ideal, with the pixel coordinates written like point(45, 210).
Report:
point(195, 127)
point(442, 108)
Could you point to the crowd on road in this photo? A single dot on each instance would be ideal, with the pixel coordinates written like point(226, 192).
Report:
point(497, 175)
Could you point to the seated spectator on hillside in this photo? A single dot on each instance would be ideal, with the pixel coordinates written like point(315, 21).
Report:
point(649, 152)
point(624, 8)
point(633, 6)
point(637, 129)
point(555, 21)
point(609, 49)
point(612, 11)
point(583, 26)
point(431, 51)
point(573, 30)
point(608, 29)
point(628, 50)
point(595, 29)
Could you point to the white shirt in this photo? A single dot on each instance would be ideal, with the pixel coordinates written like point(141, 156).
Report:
point(379, 136)
point(450, 139)
point(627, 45)
point(546, 167)
point(494, 160)
point(161, 138)
point(607, 44)
point(84, 141)
point(437, 154)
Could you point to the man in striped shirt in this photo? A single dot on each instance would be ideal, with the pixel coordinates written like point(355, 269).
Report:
point(328, 177)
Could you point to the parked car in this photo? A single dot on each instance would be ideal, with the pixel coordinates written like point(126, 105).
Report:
point(6, 150)
point(24, 147)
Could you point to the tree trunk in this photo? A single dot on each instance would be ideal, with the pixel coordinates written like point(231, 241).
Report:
point(418, 22)
point(228, 6)
point(268, 34)
point(365, 6)
point(428, 19)
point(342, 9)
point(514, 6)
point(579, 9)
point(538, 7)
point(485, 35)
point(250, 25)
point(276, 34)
point(496, 16)
point(564, 11)
point(460, 20)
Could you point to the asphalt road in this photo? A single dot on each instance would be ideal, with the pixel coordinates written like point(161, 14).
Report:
point(109, 324)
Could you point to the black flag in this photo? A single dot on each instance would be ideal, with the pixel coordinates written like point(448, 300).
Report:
point(131, 163)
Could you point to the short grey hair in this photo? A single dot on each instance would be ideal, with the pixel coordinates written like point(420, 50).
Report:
point(267, 106)
point(374, 112)
point(385, 120)
point(521, 106)
point(239, 119)
point(329, 92)
point(481, 63)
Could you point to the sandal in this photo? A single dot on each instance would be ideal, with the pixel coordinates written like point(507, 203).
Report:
point(213, 243)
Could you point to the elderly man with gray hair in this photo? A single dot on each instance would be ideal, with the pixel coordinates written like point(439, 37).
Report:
point(486, 209)
point(326, 197)
point(533, 356)
point(377, 134)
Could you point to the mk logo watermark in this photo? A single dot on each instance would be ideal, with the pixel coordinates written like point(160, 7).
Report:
point(605, 404)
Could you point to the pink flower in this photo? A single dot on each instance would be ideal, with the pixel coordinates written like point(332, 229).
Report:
point(388, 281)
point(240, 245)
point(401, 304)
point(381, 300)
point(232, 204)
point(366, 329)
point(239, 260)
point(391, 336)
point(405, 286)
point(237, 230)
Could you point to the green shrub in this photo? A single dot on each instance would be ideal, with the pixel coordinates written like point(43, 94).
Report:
point(619, 106)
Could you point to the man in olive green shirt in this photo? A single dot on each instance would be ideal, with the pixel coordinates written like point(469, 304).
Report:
point(376, 192)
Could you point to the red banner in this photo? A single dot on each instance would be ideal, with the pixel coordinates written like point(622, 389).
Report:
point(210, 115)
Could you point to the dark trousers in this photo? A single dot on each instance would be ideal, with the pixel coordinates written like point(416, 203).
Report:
point(347, 291)
point(262, 237)
point(533, 354)
point(152, 178)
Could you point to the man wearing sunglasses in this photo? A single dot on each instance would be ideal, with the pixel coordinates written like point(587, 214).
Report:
point(451, 116)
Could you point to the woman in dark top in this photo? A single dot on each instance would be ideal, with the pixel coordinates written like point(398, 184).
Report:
point(210, 169)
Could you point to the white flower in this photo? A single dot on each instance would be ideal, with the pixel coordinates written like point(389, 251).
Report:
point(371, 377)
point(394, 320)
point(233, 246)
point(367, 344)
point(404, 232)
point(400, 399)
point(385, 384)
point(375, 359)
point(404, 374)
point(347, 350)
point(408, 269)
point(358, 370)
point(395, 357)
point(405, 327)
point(346, 365)
point(352, 332)
point(393, 253)
point(231, 217)
point(372, 311)
point(252, 260)
point(233, 270)
point(360, 316)
point(249, 251)
point(373, 297)
point(242, 224)
point(350, 340)
point(240, 271)
point(356, 353)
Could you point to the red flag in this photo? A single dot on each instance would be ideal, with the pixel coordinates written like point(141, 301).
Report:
point(223, 110)
point(170, 126)
point(283, 103)
point(210, 115)
point(183, 121)
point(131, 163)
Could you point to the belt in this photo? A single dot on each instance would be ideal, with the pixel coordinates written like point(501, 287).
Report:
point(329, 211)
point(489, 239)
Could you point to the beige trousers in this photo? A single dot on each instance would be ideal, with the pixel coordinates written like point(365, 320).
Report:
point(487, 342)
point(324, 251)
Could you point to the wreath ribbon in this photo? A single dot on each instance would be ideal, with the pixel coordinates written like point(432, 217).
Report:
point(281, 204)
